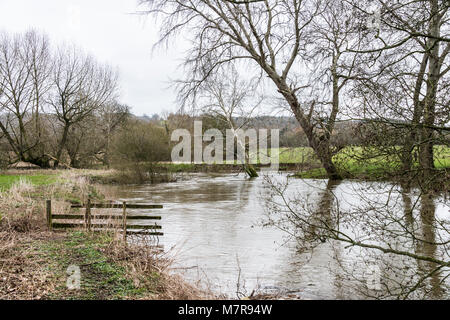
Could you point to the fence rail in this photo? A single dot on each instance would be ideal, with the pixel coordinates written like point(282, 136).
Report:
point(101, 217)
point(117, 206)
point(86, 219)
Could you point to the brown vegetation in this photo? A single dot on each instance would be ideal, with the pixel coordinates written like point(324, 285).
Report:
point(33, 261)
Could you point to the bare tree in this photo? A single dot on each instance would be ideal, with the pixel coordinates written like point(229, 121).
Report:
point(81, 86)
point(111, 116)
point(24, 67)
point(39, 59)
point(89, 141)
point(333, 65)
point(271, 36)
point(226, 97)
point(405, 83)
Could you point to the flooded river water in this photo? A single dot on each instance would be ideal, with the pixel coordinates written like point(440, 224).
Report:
point(214, 226)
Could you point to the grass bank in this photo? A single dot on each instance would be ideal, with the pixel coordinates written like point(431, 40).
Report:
point(352, 162)
point(34, 262)
point(358, 163)
point(8, 180)
point(35, 266)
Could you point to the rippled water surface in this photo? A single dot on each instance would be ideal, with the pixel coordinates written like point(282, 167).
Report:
point(215, 224)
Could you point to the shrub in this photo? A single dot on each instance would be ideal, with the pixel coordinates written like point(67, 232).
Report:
point(138, 147)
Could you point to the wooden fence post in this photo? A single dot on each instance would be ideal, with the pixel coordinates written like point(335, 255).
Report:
point(125, 222)
point(88, 214)
point(49, 215)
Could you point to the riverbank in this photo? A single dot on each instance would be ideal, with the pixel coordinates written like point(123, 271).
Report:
point(352, 163)
point(34, 262)
point(34, 266)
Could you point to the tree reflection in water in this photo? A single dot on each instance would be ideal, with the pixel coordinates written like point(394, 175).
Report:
point(382, 226)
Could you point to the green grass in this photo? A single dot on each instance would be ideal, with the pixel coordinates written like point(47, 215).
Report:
point(7, 181)
point(352, 162)
point(60, 190)
point(304, 154)
point(179, 167)
point(356, 162)
point(297, 155)
point(442, 157)
point(101, 279)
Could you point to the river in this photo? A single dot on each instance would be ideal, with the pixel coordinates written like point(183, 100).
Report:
point(213, 225)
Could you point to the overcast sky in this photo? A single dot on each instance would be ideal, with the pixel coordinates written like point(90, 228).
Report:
point(110, 31)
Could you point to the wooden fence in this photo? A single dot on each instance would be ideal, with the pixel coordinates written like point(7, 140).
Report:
point(86, 220)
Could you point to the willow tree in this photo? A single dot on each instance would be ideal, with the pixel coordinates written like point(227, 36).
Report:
point(269, 36)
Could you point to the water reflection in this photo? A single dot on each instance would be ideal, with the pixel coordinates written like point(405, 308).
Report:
point(216, 221)
point(422, 229)
point(427, 247)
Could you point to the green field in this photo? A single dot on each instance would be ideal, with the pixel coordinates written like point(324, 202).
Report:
point(6, 181)
point(355, 161)
point(303, 154)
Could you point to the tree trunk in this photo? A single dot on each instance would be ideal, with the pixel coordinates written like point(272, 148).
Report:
point(62, 145)
point(320, 145)
point(426, 157)
point(411, 138)
point(323, 152)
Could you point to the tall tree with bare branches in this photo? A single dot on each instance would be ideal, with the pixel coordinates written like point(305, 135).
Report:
point(24, 69)
point(270, 36)
point(81, 86)
point(406, 81)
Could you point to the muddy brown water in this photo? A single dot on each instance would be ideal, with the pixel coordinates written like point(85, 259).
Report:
point(213, 225)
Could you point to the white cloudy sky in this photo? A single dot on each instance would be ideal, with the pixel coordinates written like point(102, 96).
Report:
point(110, 31)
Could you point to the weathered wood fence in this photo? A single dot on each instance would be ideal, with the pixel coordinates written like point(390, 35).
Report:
point(124, 221)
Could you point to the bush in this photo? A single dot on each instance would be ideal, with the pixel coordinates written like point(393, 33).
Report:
point(138, 147)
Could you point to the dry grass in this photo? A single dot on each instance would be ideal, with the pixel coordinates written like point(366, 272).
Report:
point(33, 261)
point(149, 268)
point(18, 210)
point(23, 270)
